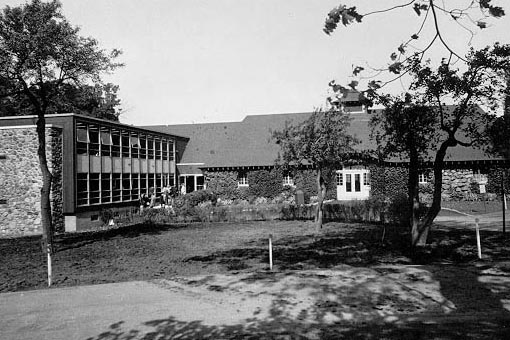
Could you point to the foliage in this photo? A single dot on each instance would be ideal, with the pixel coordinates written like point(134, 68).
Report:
point(321, 140)
point(40, 51)
point(499, 133)
point(185, 205)
point(99, 101)
point(223, 184)
point(304, 180)
point(265, 183)
point(470, 15)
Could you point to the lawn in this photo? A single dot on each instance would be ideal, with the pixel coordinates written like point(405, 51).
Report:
point(152, 252)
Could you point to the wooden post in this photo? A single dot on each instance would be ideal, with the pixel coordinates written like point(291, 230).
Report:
point(503, 199)
point(478, 243)
point(270, 252)
point(48, 251)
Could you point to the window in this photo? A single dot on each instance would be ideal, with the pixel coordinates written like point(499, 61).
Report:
point(357, 182)
point(143, 147)
point(157, 186)
point(135, 145)
point(82, 189)
point(94, 192)
point(242, 180)
point(150, 147)
point(157, 144)
point(200, 183)
point(366, 178)
point(480, 178)
point(116, 188)
point(105, 188)
point(348, 182)
point(82, 139)
point(106, 142)
point(422, 178)
point(125, 144)
point(134, 187)
point(288, 180)
point(339, 179)
point(171, 150)
point(126, 187)
point(115, 143)
point(164, 150)
point(93, 140)
point(143, 184)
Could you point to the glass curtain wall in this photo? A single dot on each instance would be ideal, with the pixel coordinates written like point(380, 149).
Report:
point(119, 165)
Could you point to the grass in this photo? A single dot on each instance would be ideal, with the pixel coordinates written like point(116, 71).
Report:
point(149, 252)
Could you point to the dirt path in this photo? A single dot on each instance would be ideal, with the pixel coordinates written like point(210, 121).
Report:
point(346, 302)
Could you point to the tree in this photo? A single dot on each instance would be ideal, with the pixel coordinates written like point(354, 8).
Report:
point(434, 127)
point(41, 52)
point(98, 100)
point(470, 15)
point(500, 129)
point(321, 140)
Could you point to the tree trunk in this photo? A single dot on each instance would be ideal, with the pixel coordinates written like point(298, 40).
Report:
point(47, 226)
point(426, 223)
point(413, 195)
point(321, 193)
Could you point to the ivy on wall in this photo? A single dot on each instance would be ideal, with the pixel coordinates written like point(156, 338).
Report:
point(263, 183)
point(388, 182)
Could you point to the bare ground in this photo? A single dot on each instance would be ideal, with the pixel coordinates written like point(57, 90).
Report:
point(348, 282)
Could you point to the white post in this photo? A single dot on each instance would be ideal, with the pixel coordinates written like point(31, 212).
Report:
point(270, 252)
point(478, 243)
point(49, 266)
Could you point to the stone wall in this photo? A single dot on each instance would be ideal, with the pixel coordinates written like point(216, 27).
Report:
point(21, 180)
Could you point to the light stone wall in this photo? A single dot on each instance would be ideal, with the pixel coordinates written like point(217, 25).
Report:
point(21, 180)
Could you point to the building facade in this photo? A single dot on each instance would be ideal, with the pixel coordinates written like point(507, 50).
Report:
point(97, 165)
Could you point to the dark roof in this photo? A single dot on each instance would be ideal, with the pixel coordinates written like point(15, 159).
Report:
point(246, 143)
point(249, 142)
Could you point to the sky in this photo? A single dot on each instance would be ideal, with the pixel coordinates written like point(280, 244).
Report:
point(197, 61)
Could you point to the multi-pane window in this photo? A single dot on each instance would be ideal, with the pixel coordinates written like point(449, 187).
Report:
point(366, 178)
point(171, 150)
point(126, 187)
point(94, 192)
point(125, 142)
point(150, 147)
point(242, 179)
point(157, 144)
point(423, 178)
point(143, 147)
point(339, 179)
point(106, 142)
point(157, 187)
point(101, 179)
point(82, 139)
point(82, 189)
point(288, 180)
point(164, 150)
point(116, 188)
point(134, 186)
point(115, 143)
point(200, 183)
point(135, 145)
point(106, 193)
point(143, 184)
point(93, 140)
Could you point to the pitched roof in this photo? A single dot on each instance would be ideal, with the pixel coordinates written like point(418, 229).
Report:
point(250, 142)
point(245, 143)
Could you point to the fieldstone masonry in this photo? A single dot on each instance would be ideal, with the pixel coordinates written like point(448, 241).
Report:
point(21, 180)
